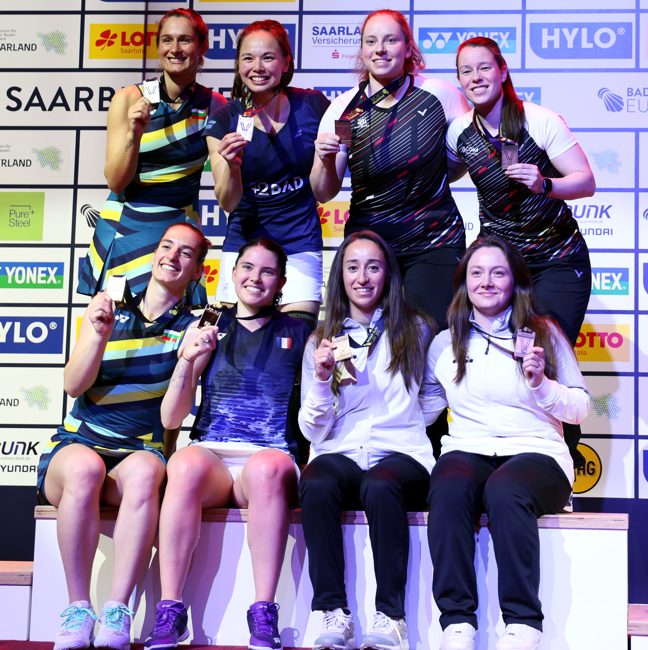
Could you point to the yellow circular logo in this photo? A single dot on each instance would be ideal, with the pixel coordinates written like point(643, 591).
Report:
point(589, 475)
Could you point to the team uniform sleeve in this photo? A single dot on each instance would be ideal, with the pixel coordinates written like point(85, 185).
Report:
point(548, 130)
point(432, 396)
point(219, 122)
point(566, 397)
point(317, 413)
point(452, 99)
point(452, 138)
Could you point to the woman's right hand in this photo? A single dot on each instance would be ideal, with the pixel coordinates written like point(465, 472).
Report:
point(323, 360)
point(198, 342)
point(139, 115)
point(231, 149)
point(101, 314)
point(327, 146)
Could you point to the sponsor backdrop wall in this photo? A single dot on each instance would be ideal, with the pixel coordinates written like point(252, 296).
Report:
point(62, 61)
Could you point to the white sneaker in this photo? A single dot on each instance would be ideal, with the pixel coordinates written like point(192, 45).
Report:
point(77, 629)
point(387, 634)
point(458, 636)
point(519, 637)
point(114, 627)
point(338, 632)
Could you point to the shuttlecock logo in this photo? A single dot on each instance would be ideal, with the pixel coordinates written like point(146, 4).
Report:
point(612, 102)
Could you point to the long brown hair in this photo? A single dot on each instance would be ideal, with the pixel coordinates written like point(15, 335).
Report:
point(409, 333)
point(524, 311)
point(512, 121)
point(278, 31)
point(416, 60)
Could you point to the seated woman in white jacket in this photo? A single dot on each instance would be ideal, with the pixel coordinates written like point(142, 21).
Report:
point(509, 378)
point(364, 411)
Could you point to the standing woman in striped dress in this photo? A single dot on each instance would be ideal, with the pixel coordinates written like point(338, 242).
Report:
point(154, 159)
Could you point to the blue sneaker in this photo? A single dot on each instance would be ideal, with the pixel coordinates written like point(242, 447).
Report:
point(170, 625)
point(77, 629)
point(263, 619)
point(114, 627)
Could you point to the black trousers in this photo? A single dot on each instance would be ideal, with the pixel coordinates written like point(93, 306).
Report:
point(562, 290)
point(514, 491)
point(427, 279)
point(332, 483)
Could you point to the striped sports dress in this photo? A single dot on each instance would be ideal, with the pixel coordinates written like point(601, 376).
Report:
point(120, 412)
point(163, 192)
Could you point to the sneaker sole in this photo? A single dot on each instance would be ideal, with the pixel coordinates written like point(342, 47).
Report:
point(349, 646)
point(157, 646)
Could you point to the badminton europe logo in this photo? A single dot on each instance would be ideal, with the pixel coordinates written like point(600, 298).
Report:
point(613, 103)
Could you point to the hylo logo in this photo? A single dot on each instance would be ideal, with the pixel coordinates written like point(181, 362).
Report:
point(26, 335)
point(590, 474)
point(582, 40)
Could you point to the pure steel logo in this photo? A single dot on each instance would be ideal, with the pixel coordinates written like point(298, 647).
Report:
point(610, 282)
point(582, 40)
point(446, 40)
point(21, 216)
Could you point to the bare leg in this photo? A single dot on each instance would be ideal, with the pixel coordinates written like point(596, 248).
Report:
point(197, 479)
point(73, 484)
point(267, 485)
point(133, 485)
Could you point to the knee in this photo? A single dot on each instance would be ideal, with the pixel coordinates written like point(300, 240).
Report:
point(502, 496)
point(380, 490)
point(85, 479)
point(145, 477)
point(186, 470)
point(270, 471)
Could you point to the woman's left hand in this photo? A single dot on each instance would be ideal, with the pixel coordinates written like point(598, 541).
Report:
point(533, 365)
point(526, 174)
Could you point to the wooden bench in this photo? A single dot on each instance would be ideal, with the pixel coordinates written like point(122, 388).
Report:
point(584, 566)
point(15, 599)
point(638, 626)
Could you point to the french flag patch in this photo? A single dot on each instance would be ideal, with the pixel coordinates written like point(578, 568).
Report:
point(284, 343)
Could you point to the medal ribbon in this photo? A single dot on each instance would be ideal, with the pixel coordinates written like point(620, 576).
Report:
point(360, 102)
